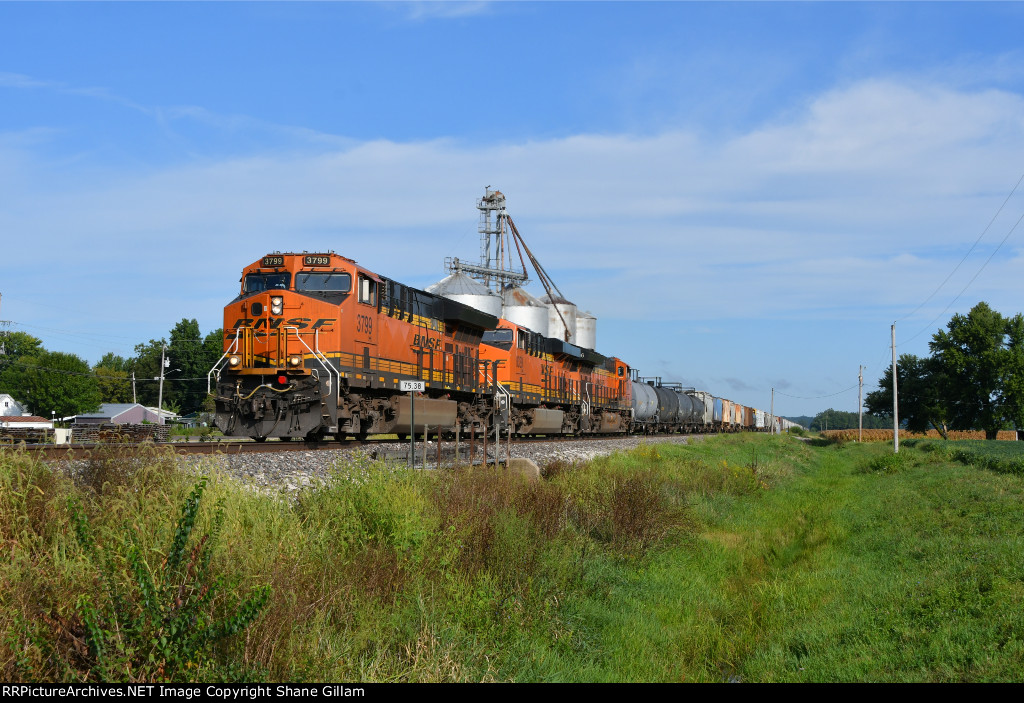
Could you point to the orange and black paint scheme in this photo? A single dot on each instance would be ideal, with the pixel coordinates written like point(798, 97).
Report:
point(317, 345)
point(547, 380)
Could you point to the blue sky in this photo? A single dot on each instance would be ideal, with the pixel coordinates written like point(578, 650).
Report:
point(746, 195)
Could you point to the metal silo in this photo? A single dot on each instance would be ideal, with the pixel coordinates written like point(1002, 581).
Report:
point(586, 330)
point(523, 309)
point(561, 315)
point(463, 289)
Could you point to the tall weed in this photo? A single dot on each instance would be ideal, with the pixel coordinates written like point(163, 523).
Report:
point(158, 622)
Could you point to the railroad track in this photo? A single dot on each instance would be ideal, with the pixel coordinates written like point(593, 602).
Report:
point(57, 452)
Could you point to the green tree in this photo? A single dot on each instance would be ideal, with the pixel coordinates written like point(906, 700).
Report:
point(188, 355)
point(213, 347)
point(981, 360)
point(842, 420)
point(52, 382)
point(14, 345)
point(113, 378)
point(922, 389)
point(146, 365)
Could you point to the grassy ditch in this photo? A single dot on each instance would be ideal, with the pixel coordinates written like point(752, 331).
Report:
point(747, 558)
point(994, 455)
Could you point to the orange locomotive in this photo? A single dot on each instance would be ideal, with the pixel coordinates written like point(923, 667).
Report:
point(316, 345)
point(552, 386)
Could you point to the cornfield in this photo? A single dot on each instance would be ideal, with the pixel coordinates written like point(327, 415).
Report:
point(886, 435)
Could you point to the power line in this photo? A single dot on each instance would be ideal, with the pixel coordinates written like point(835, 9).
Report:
point(816, 397)
point(978, 273)
point(76, 333)
point(93, 374)
point(962, 260)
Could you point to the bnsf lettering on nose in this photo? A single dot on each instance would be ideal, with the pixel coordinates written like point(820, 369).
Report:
point(276, 322)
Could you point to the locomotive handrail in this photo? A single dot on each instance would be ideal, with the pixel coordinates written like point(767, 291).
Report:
point(496, 382)
point(232, 348)
point(318, 355)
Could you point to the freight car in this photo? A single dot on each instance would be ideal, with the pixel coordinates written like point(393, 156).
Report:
point(318, 345)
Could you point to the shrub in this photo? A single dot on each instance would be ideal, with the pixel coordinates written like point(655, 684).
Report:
point(161, 624)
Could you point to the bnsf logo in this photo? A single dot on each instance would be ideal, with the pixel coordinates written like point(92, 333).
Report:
point(425, 341)
point(275, 322)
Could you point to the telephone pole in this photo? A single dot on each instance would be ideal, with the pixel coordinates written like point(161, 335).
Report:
point(895, 399)
point(860, 403)
point(160, 396)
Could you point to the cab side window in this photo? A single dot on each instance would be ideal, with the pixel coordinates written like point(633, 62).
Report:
point(367, 290)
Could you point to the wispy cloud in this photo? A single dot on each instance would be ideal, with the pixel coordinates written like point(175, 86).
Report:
point(444, 9)
point(18, 80)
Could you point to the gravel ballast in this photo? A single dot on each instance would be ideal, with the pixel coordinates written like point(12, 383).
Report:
point(290, 471)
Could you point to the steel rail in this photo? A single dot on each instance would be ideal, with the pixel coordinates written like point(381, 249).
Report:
point(56, 452)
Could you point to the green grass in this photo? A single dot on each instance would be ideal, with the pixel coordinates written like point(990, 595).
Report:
point(750, 558)
point(843, 573)
point(994, 455)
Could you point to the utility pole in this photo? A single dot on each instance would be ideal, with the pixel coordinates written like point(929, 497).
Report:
point(160, 396)
point(771, 412)
point(895, 399)
point(135, 398)
point(860, 403)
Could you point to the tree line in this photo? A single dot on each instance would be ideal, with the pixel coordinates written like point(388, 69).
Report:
point(64, 384)
point(973, 380)
point(841, 420)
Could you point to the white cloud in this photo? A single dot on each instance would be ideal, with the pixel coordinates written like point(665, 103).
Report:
point(19, 80)
point(444, 9)
point(863, 202)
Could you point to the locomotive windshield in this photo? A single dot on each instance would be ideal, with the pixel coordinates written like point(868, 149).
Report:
point(256, 282)
point(317, 281)
point(498, 338)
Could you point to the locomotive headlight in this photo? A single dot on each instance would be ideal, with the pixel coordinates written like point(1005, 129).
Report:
point(234, 361)
point(277, 305)
point(294, 361)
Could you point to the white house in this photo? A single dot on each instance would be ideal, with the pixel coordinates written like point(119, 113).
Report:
point(9, 406)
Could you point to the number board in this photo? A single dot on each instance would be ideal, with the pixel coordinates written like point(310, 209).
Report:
point(411, 386)
point(272, 261)
point(316, 260)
